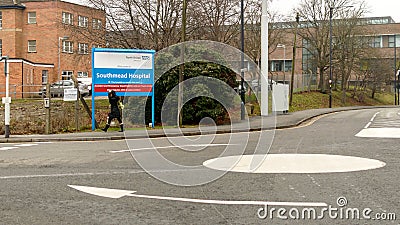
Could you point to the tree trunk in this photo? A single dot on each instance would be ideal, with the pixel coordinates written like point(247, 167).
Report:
point(321, 85)
point(373, 91)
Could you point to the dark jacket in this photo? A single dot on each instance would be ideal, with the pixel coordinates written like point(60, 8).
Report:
point(114, 100)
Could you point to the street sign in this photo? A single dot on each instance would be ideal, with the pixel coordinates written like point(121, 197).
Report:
point(128, 72)
point(70, 94)
point(6, 100)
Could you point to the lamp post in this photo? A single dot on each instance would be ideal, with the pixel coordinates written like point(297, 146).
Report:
point(59, 54)
point(330, 50)
point(242, 97)
point(395, 70)
point(293, 60)
point(284, 61)
point(330, 56)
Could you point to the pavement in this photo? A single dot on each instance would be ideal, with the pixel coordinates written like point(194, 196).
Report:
point(256, 123)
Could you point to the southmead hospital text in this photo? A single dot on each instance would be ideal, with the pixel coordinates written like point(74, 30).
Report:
point(123, 76)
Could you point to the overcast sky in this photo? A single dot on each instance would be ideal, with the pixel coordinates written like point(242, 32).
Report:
point(376, 7)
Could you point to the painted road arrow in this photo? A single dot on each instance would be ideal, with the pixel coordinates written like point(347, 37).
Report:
point(116, 193)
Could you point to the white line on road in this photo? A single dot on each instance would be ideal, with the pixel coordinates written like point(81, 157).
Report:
point(372, 120)
point(88, 174)
point(54, 175)
point(170, 146)
point(7, 148)
point(25, 145)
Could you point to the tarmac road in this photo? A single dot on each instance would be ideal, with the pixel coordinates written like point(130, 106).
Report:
point(34, 177)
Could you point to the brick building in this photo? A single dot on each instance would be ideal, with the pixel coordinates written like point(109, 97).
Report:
point(382, 33)
point(46, 40)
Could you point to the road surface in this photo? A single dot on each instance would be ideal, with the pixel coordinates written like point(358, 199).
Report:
point(340, 166)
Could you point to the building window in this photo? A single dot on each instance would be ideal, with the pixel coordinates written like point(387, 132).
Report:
point(83, 48)
point(31, 17)
point(1, 19)
point(376, 42)
point(392, 43)
point(67, 18)
point(67, 75)
point(82, 74)
point(83, 21)
point(97, 24)
point(288, 65)
point(68, 47)
point(279, 65)
point(275, 66)
point(45, 76)
point(32, 46)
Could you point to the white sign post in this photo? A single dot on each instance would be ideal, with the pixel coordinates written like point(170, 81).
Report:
point(264, 58)
point(6, 100)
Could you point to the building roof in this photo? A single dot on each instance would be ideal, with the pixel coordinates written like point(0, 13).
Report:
point(11, 4)
point(19, 4)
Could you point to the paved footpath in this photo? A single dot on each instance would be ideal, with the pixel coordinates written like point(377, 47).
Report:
point(257, 123)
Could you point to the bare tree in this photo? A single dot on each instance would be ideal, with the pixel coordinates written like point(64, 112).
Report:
point(216, 20)
point(148, 24)
point(315, 16)
point(376, 72)
point(349, 47)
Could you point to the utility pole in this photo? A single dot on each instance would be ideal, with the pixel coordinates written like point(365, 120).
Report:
point(182, 65)
point(395, 71)
point(242, 97)
point(294, 60)
point(330, 56)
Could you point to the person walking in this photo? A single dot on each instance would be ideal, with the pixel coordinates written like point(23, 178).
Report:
point(115, 112)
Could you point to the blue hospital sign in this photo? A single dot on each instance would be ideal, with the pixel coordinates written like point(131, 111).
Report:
point(129, 72)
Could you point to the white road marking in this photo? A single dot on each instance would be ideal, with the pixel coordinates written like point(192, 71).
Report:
point(87, 174)
point(20, 145)
point(116, 193)
point(292, 163)
point(25, 145)
point(7, 148)
point(372, 120)
point(388, 127)
point(170, 146)
point(389, 132)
